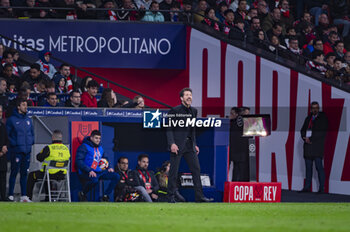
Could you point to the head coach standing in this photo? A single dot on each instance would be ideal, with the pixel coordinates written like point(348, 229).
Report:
point(313, 133)
point(182, 142)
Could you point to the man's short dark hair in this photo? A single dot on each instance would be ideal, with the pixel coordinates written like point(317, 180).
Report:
point(72, 93)
point(255, 18)
point(332, 33)
point(142, 156)
point(6, 53)
point(95, 132)
point(236, 110)
point(293, 38)
point(329, 54)
point(228, 11)
point(50, 84)
point(64, 65)
point(338, 42)
point(182, 92)
point(51, 94)
point(152, 3)
point(316, 54)
point(337, 59)
point(316, 40)
point(2, 79)
point(7, 65)
point(35, 66)
point(19, 101)
point(92, 84)
point(314, 103)
point(275, 25)
point(122, 158)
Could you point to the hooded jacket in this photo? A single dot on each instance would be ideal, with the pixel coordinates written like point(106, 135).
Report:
point(20, 132)
point(87, 153)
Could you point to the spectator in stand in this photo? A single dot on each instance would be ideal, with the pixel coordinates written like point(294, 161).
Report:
point(272, 19)
point(124, 191)
point(307, 34)
point(287, 18)
point(13, 81)
point(290, 33)
point(329, 45)
point(340, 14)
point(4, 101)
point(109, 14)
point(84, 83)
point(108, 99)
point(276, 45)
point(252, 13)
point(61, 86)
point(74, 100)
point(294, 48)
point(153, 15)
point(72, 82)
point(276, 30)
point(339, 49)
point(262, 10)
point(23, 93)
point(238, 32)
point(229, 21)
point(330, 57)
point(186, 16)
point(33, 76)
point(235, 5)
point(28, 13)
point(323, 24)
point(317, 63)
point(316, 8)
point(51, 100)
point(50, 87)
point(4, 143)
point(21, 135)
point(145, 181)
point(241, 12)
point(339, 71)
point(220, 14)
point(260, 40)
point(253, 29)
point(306, 18)
point(7, 58)
point(44, 3)
point(15, 56)
point(66, 14)
point(88, 98)
point(125, 13)
point(347, 58)
point(88, 157)
point(175, 12)
point(45, 66)
point(6, 12)
point(2, 49)
point(166, 5)
point(210, 19)
point(201, 8)
point(143, 4)
point(316, 45)
point(139, 102)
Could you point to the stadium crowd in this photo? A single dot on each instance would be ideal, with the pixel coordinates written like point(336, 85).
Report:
point(312, 33)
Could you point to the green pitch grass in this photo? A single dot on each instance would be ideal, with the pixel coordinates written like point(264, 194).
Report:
point(143, 217)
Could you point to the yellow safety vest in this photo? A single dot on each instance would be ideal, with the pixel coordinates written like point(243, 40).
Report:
point(58, 152)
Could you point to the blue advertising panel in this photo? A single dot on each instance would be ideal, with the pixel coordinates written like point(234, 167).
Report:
point(102, 44)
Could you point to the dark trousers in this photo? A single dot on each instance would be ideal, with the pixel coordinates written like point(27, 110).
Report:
point(33, 177)
point(193, 163)
point(3, 185)
point(240, 171)
point(91, 182)
point(19, 162)
point(320, 172)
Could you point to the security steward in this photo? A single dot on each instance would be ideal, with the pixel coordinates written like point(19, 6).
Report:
point(56, 152)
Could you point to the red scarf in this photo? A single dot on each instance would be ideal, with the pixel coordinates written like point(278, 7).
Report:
point(209, 22)
point(227, 29)
point(112, 15)
point(46, 67)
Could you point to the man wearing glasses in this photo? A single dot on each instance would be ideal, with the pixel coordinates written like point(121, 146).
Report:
point(313, 133)
point(74, 100)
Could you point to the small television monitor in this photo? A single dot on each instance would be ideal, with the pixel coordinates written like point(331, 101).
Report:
point(256, 125)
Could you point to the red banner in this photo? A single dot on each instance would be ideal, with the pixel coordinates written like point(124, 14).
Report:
point(80, 130)
point(252, 192)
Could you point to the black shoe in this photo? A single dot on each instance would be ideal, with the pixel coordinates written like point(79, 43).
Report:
point(304, 191)
point(179, 197)
point(172, 199)
point(204, 199)
point(105, 198)
point(82, 197)
point(321, 191)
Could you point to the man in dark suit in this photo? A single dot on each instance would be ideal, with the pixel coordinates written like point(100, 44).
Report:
point(182, 142)
point(313, 133)
point(4, 142)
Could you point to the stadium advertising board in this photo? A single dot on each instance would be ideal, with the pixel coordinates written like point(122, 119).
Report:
point(102, 44)
point(252, 192)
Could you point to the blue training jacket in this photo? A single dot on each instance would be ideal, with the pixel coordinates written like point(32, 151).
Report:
point(20, 132)
point(85, 156)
